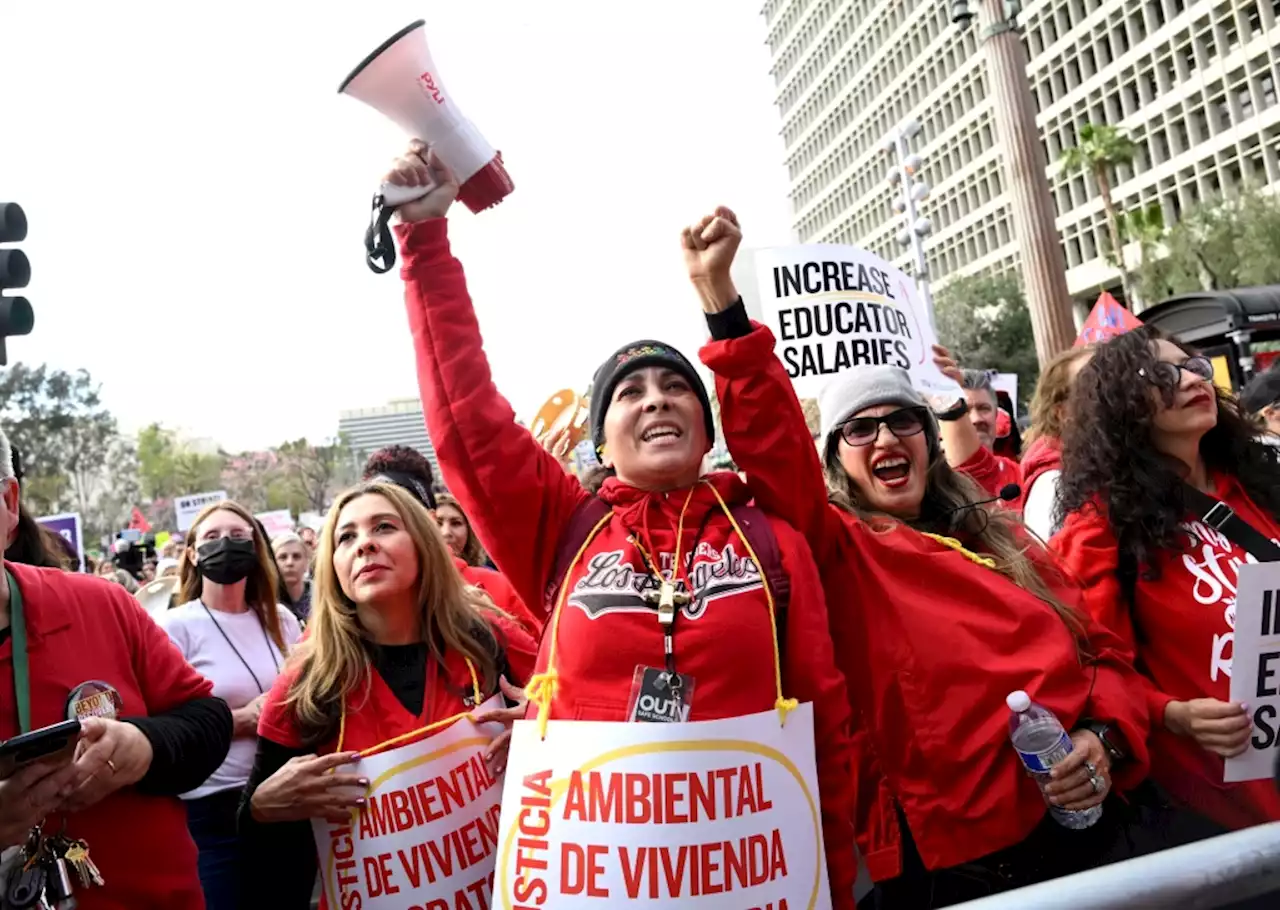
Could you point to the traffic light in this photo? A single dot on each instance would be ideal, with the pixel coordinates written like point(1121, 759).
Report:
point(16, 317)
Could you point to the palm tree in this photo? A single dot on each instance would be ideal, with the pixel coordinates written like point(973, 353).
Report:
point(1146, 227)
point(1098, 150)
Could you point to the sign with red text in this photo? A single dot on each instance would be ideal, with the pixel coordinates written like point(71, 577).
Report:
point(833, 308)
point(427, 836)
point(722, 815)
point(1255, 669)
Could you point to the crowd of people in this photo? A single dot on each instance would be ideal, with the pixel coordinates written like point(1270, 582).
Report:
point(907, 573)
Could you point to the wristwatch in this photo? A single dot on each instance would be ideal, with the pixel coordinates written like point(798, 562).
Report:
point(1112, 740)
point(955, 412)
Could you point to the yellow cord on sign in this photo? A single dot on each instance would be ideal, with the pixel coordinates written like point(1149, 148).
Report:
point(960, 548)
point(542, 686)
point(414, 734)
point(784, 705)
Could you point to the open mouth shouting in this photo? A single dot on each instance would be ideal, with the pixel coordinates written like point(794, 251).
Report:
point(891, 469)
point(662, 434)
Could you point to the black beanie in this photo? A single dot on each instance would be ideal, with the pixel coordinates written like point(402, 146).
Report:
point(635, 356)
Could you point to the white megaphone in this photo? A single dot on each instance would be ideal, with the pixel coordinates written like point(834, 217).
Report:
point(401, 81)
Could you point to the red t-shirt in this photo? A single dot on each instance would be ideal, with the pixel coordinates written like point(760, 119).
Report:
point(82, 629)
point(1181, 626)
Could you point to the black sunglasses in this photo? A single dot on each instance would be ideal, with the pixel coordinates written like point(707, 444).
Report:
point(862, 431)
point(1169, 375)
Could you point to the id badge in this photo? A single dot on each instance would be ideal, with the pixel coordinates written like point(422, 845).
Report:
point(659, 696)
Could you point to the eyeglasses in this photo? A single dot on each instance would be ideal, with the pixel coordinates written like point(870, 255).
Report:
point(1169, 375)
point(862, 431)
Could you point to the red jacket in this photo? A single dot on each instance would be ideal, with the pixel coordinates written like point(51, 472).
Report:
point(992, 472)
point(929, 642)
point(519, 499)
point(375, 715)
point(1045, 454)
point(1186, 618)
point(82, 629)
point(502, 594)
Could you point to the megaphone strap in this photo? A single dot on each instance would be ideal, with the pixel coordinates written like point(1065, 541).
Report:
point(380, 247)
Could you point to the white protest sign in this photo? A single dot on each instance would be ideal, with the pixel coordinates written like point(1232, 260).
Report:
point(186, 508)
point(1007, 383)
point(720, 814)
point(427, 834)
point(276, 522)
point(1255, 668)
point(833, 308)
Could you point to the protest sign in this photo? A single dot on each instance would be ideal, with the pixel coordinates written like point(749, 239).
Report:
point(1007, 383)
point(720, 814)
point(67, 526)
point(427, 835)
point(276, 522)
point(833, 308)
point(186, 508)
point(1255, 668)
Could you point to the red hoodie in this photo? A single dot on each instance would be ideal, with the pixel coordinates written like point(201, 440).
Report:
point(520, 500)
point(930, 643)
point(502, 594)
point(1187, 619)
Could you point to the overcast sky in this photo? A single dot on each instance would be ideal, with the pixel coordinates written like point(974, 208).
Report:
point(197, 193)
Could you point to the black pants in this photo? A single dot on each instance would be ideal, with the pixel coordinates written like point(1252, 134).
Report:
point(1145, 823)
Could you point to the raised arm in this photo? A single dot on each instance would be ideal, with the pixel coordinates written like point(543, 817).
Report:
point(764, 423)
point(513, 491)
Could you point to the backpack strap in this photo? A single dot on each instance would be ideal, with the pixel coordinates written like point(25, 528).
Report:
point(1216, 514)
point(585, 517)
point(759, 533)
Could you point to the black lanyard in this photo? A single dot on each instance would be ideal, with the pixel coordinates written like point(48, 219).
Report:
point(236, 651)
point(21, 669)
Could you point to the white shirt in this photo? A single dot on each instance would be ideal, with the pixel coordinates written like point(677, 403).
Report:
point(1037, 509)
point(199, 635)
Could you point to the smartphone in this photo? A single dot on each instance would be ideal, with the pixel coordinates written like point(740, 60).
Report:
point(55, 744)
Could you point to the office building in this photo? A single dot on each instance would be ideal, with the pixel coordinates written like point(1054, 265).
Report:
point(399, 422)
point(1194, 84)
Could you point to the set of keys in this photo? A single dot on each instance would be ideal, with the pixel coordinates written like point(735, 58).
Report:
point(48, 872)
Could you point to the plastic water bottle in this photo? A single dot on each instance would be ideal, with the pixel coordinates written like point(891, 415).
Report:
point(1042, 743)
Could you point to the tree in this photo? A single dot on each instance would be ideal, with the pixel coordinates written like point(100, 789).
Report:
point(316, 473)
point(1144, 226)
point(1099, 149)
point(66, 437)
point(984, 321)
point(113, 506)
point(168, 467)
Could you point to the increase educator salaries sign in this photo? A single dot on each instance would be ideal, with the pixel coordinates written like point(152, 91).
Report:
point(1255, 669)
point(714, 814)
point(834, 307)
point(426, 837)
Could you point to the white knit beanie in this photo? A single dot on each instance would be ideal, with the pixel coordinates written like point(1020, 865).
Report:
point(862, 388)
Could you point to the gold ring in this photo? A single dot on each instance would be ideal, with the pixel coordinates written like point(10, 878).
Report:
point(111, 765)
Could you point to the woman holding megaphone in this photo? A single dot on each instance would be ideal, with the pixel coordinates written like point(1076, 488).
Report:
point(656, 519)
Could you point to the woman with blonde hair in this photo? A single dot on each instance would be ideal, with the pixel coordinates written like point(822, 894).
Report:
point(397, 643)
point(229, 628)
point(1042, 455)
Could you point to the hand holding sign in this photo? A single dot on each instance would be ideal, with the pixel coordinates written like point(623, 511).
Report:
point(304, 788)
point(709, 247)
point(1219, 727)
point(495, 756)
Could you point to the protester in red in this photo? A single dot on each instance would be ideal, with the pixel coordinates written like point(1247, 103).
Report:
point(409, 469)
point(942, 609)
point(965, 427)
point(73, 646)
point(1042, 459)
point(394, 639)
point(1151, 446)
point(651, 419)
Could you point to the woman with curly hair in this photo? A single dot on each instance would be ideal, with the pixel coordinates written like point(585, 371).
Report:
point(1149, 436)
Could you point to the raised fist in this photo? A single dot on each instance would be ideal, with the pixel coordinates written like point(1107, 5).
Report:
point(709, 248)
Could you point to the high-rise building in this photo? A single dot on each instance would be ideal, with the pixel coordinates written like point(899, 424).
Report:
point(1194, 84)
point(399, 422)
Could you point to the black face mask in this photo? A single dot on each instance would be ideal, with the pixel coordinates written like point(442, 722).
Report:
point(226, 561)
